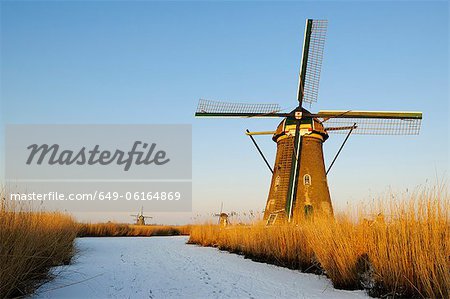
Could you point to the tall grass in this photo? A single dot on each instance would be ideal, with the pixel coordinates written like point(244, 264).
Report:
point(125, 230)
point(406, 252)
point(31, 243)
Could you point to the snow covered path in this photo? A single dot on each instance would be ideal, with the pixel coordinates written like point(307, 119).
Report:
point(165, 267)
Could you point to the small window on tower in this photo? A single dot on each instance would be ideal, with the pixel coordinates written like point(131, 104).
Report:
point(306, 180)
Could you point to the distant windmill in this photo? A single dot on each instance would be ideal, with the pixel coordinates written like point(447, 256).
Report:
point(299, 181)
point(140, 217)
point(223, 217)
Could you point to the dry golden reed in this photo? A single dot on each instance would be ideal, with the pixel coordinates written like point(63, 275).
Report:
point(111, 229)
point(402, 249)
point(31, 243)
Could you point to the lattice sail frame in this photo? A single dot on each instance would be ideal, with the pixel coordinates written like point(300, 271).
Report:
point(373, 126)
point(208, 107)
point(314, 60)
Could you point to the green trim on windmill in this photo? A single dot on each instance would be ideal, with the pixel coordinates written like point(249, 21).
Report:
point(303, 121)
point(295, 164)
point(293, 176)
point(304, 61)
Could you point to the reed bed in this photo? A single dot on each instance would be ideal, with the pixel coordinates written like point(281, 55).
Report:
point(402, 250)
point(111, 229)
point(30, 244)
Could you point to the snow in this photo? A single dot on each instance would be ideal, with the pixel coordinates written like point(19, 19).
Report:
point(166, 267)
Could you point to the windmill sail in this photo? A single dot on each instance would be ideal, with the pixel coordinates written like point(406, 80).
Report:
point(371, 122)
point(369, 114)
point(208, 108)
point(311, 63)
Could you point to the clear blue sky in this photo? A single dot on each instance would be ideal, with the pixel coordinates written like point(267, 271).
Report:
point(149, 62)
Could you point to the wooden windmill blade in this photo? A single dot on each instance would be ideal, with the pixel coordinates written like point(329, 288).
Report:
point(371, 122)
point(308, 89)
point(208, 108)
point(311, 62)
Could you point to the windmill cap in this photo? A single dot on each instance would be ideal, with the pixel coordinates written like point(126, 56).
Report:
point(308, 126)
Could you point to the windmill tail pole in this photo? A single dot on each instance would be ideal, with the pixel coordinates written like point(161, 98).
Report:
point(340, 149)
point(260, 152)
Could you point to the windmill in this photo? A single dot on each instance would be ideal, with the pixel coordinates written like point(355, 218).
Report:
point(223, 217)
point(140, 217)
point(299, 187)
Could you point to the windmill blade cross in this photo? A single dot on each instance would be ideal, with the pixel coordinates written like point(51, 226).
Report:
point(308, 127)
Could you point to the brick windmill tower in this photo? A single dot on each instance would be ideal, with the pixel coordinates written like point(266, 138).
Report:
point(299, 187)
